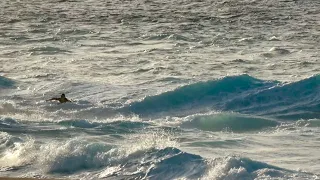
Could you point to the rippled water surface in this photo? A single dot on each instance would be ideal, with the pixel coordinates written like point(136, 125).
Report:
point(181, 89)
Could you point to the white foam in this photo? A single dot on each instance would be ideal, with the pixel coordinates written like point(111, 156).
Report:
point(18, 155)
point(157, 139)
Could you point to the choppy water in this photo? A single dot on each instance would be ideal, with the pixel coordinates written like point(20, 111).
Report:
point(180, 89)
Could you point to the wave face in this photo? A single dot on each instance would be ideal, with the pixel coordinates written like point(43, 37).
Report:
point(200, 94)
point(6, 83)
point(289, 101)
point(242, 94)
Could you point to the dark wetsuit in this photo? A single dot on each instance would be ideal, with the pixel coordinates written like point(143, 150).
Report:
point(62, 99)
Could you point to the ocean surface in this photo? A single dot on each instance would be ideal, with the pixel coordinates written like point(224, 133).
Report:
point(181, 89)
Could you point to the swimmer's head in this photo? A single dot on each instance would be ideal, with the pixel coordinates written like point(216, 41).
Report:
point(63, 96)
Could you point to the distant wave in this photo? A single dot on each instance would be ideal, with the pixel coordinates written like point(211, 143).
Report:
point(176, 37)
point(275, 51)
point(47, 50)
point(242, 94)
point(228, 121)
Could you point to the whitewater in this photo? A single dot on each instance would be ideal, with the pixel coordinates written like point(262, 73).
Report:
point(183, 89)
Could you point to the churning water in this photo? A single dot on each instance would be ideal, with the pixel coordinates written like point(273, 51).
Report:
point(180, 89)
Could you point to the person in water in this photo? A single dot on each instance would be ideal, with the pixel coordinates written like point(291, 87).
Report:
point(62, 99)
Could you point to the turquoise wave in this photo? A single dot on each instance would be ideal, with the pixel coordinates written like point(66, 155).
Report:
point(298, 100)
point(6, 83)
point(243, 94)
point(210, 92)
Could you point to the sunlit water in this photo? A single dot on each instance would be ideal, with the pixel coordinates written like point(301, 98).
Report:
point(180, 89)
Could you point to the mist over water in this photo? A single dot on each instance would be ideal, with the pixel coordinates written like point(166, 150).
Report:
point(160, 89)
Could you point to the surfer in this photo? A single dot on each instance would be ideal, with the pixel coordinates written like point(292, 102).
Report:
point(62, 99)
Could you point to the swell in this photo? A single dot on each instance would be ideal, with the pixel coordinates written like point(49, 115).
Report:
point(298, 100)
point(199, 94)
point(242, 94)
point(228, 121)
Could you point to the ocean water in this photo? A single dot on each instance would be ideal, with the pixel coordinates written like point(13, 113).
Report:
point(182, 89)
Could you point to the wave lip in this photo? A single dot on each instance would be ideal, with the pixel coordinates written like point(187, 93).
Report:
point(228, 121)
point(212, 93)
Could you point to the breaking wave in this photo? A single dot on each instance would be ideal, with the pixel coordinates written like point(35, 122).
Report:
point(155, 158)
